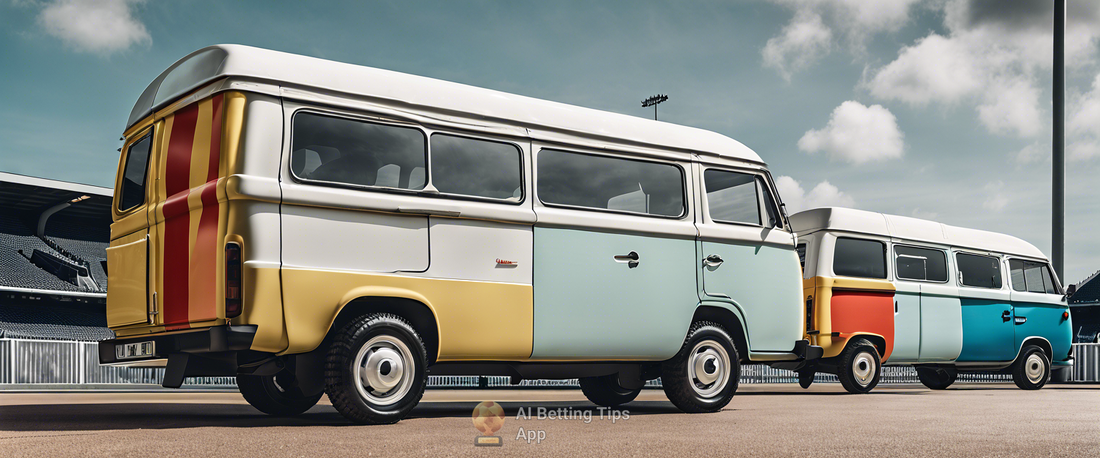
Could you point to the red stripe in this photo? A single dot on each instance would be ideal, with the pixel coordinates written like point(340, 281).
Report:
point(177, 224)
point(206, 241)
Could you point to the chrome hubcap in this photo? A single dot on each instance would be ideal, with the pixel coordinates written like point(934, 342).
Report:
point(1034, 368)
point(864, 368)
point(384, 370)
point(709, 368)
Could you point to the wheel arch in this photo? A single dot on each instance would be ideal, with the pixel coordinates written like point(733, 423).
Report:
point(409, 306)
point(729, 320)
point(878, 341)
point(1040, 342)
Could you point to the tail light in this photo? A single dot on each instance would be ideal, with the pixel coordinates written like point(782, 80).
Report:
point(232, 280)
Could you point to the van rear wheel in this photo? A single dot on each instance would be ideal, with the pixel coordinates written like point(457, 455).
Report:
point(276, 395)
point(704, 375)
point(376, 370)
point(1032, 369)
point(937, 378)
point(859, 367)
point(605, 391)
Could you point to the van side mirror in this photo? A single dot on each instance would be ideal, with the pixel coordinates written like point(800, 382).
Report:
point(1070, 291)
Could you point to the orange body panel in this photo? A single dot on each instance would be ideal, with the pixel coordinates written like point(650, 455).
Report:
point(864, 312)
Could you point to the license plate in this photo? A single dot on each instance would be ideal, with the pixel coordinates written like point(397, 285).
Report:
point(135, 350)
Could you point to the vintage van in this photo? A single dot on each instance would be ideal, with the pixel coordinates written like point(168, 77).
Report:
point(883, 289)
point(317, 227)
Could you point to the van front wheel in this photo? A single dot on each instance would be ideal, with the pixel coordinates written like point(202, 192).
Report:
point(605, 391)
point(376, 370)
point(1032, 370)
point(703, 376)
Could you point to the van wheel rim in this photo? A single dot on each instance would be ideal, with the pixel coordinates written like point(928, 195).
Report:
point(709, 368)
point(864, 368)
point(384, 370)
point(1034, 368)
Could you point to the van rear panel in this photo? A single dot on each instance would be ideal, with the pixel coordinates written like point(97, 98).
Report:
point(182, 268)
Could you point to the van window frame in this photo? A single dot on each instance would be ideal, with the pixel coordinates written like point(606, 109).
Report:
point(1000, 269)
point(946, 263)
point(362, 187)
point(684, 197)
point(762, 186)
point(127, 149)
point(885, 257)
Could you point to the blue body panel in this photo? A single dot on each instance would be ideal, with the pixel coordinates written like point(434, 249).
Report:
point(1044, 320)
point(986, 336)
point(590, 306)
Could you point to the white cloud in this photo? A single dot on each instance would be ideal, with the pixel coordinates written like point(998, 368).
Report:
point(802, 42)
point(857, 134)
point(94, 26)
point(996, 199)
point(990, 57)
point(1035, 152)
point(822, 195)
point(818, 23)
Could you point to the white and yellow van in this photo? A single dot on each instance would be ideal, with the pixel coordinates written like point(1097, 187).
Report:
point(311, 226)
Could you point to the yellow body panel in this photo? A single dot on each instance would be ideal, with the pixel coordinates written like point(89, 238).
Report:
point(126, 261)
point(477, 320)
point(821, 289)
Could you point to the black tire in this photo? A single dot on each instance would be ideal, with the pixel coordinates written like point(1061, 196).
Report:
point(859, 368)
point(394, 347)
point(276, 395)
point(937, 378)
point(708, 346)
point(1032, 369)
point(605, 391)
point(806, 378)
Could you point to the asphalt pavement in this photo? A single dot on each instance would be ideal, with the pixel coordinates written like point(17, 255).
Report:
point(763, 420)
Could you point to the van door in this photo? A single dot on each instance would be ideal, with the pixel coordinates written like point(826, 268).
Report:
point(987, 328)
point(748, 258)
point(128, 257)
point(614, 257)
point(1038, 306)
point(907, 322)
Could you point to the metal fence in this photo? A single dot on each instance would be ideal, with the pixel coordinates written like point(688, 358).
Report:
point(49, 362)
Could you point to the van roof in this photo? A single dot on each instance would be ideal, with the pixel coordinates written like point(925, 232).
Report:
point(903, 227)
point(221, 61)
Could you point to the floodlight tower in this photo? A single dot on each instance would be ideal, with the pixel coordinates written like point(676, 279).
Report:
point(653, 102)
point(1058, 180)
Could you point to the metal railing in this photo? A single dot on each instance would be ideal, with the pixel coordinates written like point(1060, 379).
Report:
point(26, 362)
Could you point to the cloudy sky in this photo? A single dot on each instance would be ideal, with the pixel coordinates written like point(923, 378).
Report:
point(937, 109)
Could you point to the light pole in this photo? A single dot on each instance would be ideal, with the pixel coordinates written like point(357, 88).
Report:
point(653, 101)
point(1057, 240)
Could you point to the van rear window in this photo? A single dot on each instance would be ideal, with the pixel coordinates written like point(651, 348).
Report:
point(348, 151)
point(979, 271)
point(133, 176)
point(610, 183)
point(859, 258)
point(1032, 277)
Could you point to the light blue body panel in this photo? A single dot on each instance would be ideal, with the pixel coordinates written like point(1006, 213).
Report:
point(907, 326)
point(986, 335)
point(941, 327)
point(590, 306)
point(765, 284)
point(1044, 320)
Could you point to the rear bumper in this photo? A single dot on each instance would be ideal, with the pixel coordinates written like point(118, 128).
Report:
point(807, 354)
point(208, 340)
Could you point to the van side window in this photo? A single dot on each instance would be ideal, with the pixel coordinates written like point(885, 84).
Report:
point(769, 205)
point(979, 271)
point(610, 183)
point(1032, 277)
point(732, 197)
point(133, 176)
point(348, 151)
point(801, 249)
point(920, 264)
point(478, 168)
point(859, 258)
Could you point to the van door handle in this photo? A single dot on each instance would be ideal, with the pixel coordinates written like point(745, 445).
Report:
point(713, 260)
point(1021, 319)
point(895, 307)
point(631, 259)
point(1006, 316)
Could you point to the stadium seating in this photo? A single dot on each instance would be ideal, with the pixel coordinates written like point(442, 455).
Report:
point(32, 321)
point(16, 270)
